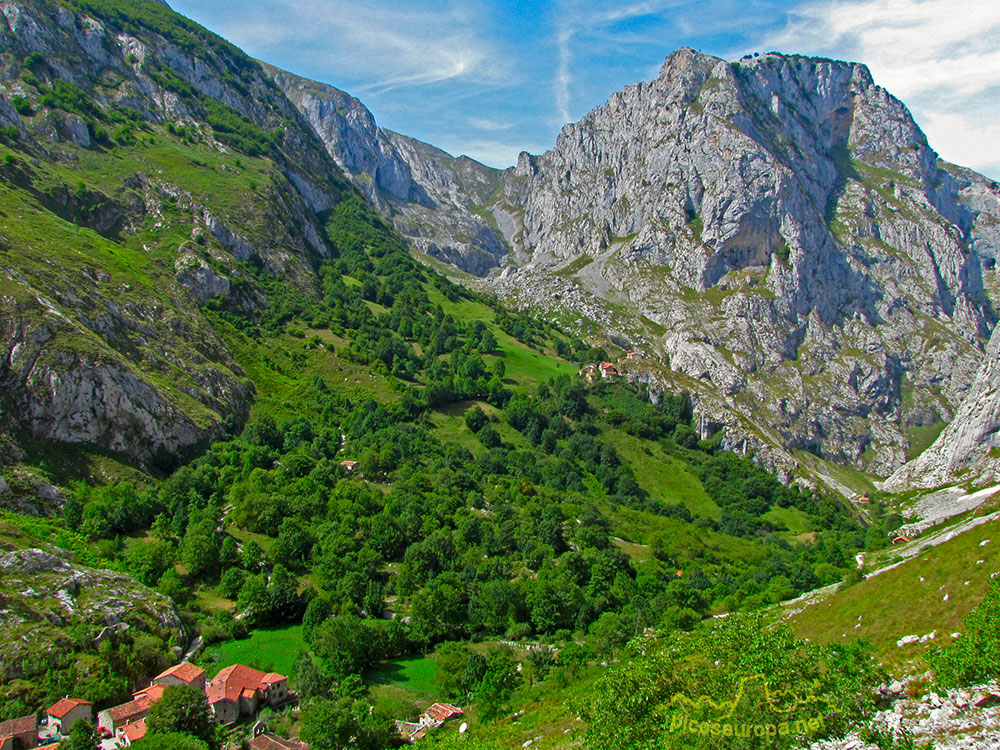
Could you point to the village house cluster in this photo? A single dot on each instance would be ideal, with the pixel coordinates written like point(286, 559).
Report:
point(236, 692)
point(607, 370)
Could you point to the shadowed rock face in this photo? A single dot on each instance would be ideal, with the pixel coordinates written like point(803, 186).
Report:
point(969, 447)
point(785, 223)
point(431, 196)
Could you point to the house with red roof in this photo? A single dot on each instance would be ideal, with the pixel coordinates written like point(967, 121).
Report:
point(184, 673)
point(608, 371)
point(117, 717)
point(66, 711)
point(132, 732)
point(19, 733)
point(238, 690)
point(431, 719)
point(439, 713)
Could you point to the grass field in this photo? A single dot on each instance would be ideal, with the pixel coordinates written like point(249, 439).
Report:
point(793, 519)
point(931, 592)
point(664, 477)
point(271, 649)
point(415, 674)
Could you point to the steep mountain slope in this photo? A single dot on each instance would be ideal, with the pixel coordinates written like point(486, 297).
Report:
point(148, 167)
point(435, 199)
point(969, 447)
point(776, 232)
point(793, 239)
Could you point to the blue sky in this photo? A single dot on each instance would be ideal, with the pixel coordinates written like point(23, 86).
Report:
point(490, 78)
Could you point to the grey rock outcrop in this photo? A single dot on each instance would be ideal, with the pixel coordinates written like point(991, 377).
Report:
point(436, 200)
point(41, 592)
point(969, 447)
point(781, 230)
point(119, 354)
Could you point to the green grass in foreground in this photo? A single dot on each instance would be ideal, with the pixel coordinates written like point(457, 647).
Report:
point(910, 599)
point(270, 649)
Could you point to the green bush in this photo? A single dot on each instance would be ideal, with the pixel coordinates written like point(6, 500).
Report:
point(975, 656)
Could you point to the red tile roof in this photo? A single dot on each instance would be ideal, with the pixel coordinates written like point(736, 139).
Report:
point(17, 727)
point(185, 671)
point(443, 712)
point(235, 679)
point(134, 731)
point(65, 705)
point(129, 710)
point(148, 696)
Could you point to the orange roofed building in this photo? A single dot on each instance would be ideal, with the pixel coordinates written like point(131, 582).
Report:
point(132, 732)
point(19, 733)
point(184, 673)
point(117, 717)
point(240, 691)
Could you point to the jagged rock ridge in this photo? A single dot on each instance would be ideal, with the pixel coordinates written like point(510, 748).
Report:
point(791, 235)
point(779, 227)
point(431, 196)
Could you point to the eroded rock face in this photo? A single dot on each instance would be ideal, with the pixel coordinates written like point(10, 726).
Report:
point(781, 222)
point(430, 196)
point(120, 355)
point(791, 236)
point(41, 591)
point(969, 447)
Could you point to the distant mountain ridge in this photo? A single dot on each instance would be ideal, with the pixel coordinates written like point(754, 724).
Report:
point(777, 230)
point(775, 233)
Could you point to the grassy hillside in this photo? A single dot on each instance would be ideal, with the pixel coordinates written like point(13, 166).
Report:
point(299, 427)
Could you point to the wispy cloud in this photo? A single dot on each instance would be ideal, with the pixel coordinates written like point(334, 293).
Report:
point(577, 18)
point(381, 45)
point(941, 57)
point(483, 123)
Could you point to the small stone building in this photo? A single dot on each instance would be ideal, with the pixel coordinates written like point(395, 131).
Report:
point(184, 673)
point(67, 711)
point(16, 734)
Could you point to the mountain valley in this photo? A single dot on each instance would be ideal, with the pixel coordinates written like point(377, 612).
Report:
point(703, 396)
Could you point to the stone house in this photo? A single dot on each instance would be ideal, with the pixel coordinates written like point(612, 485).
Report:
point(184, 673)
point(239, 690)
point(65, 712)
point(19, 734)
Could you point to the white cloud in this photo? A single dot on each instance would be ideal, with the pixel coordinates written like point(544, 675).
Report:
point(590, 18)
point(381, 44)
point(483, 123)
point(941, 57)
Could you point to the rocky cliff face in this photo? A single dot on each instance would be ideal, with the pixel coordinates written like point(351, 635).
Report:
point(128, 213)
point(776, 230)
point(436, 200)
point(969, 447)
point(790, 238)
